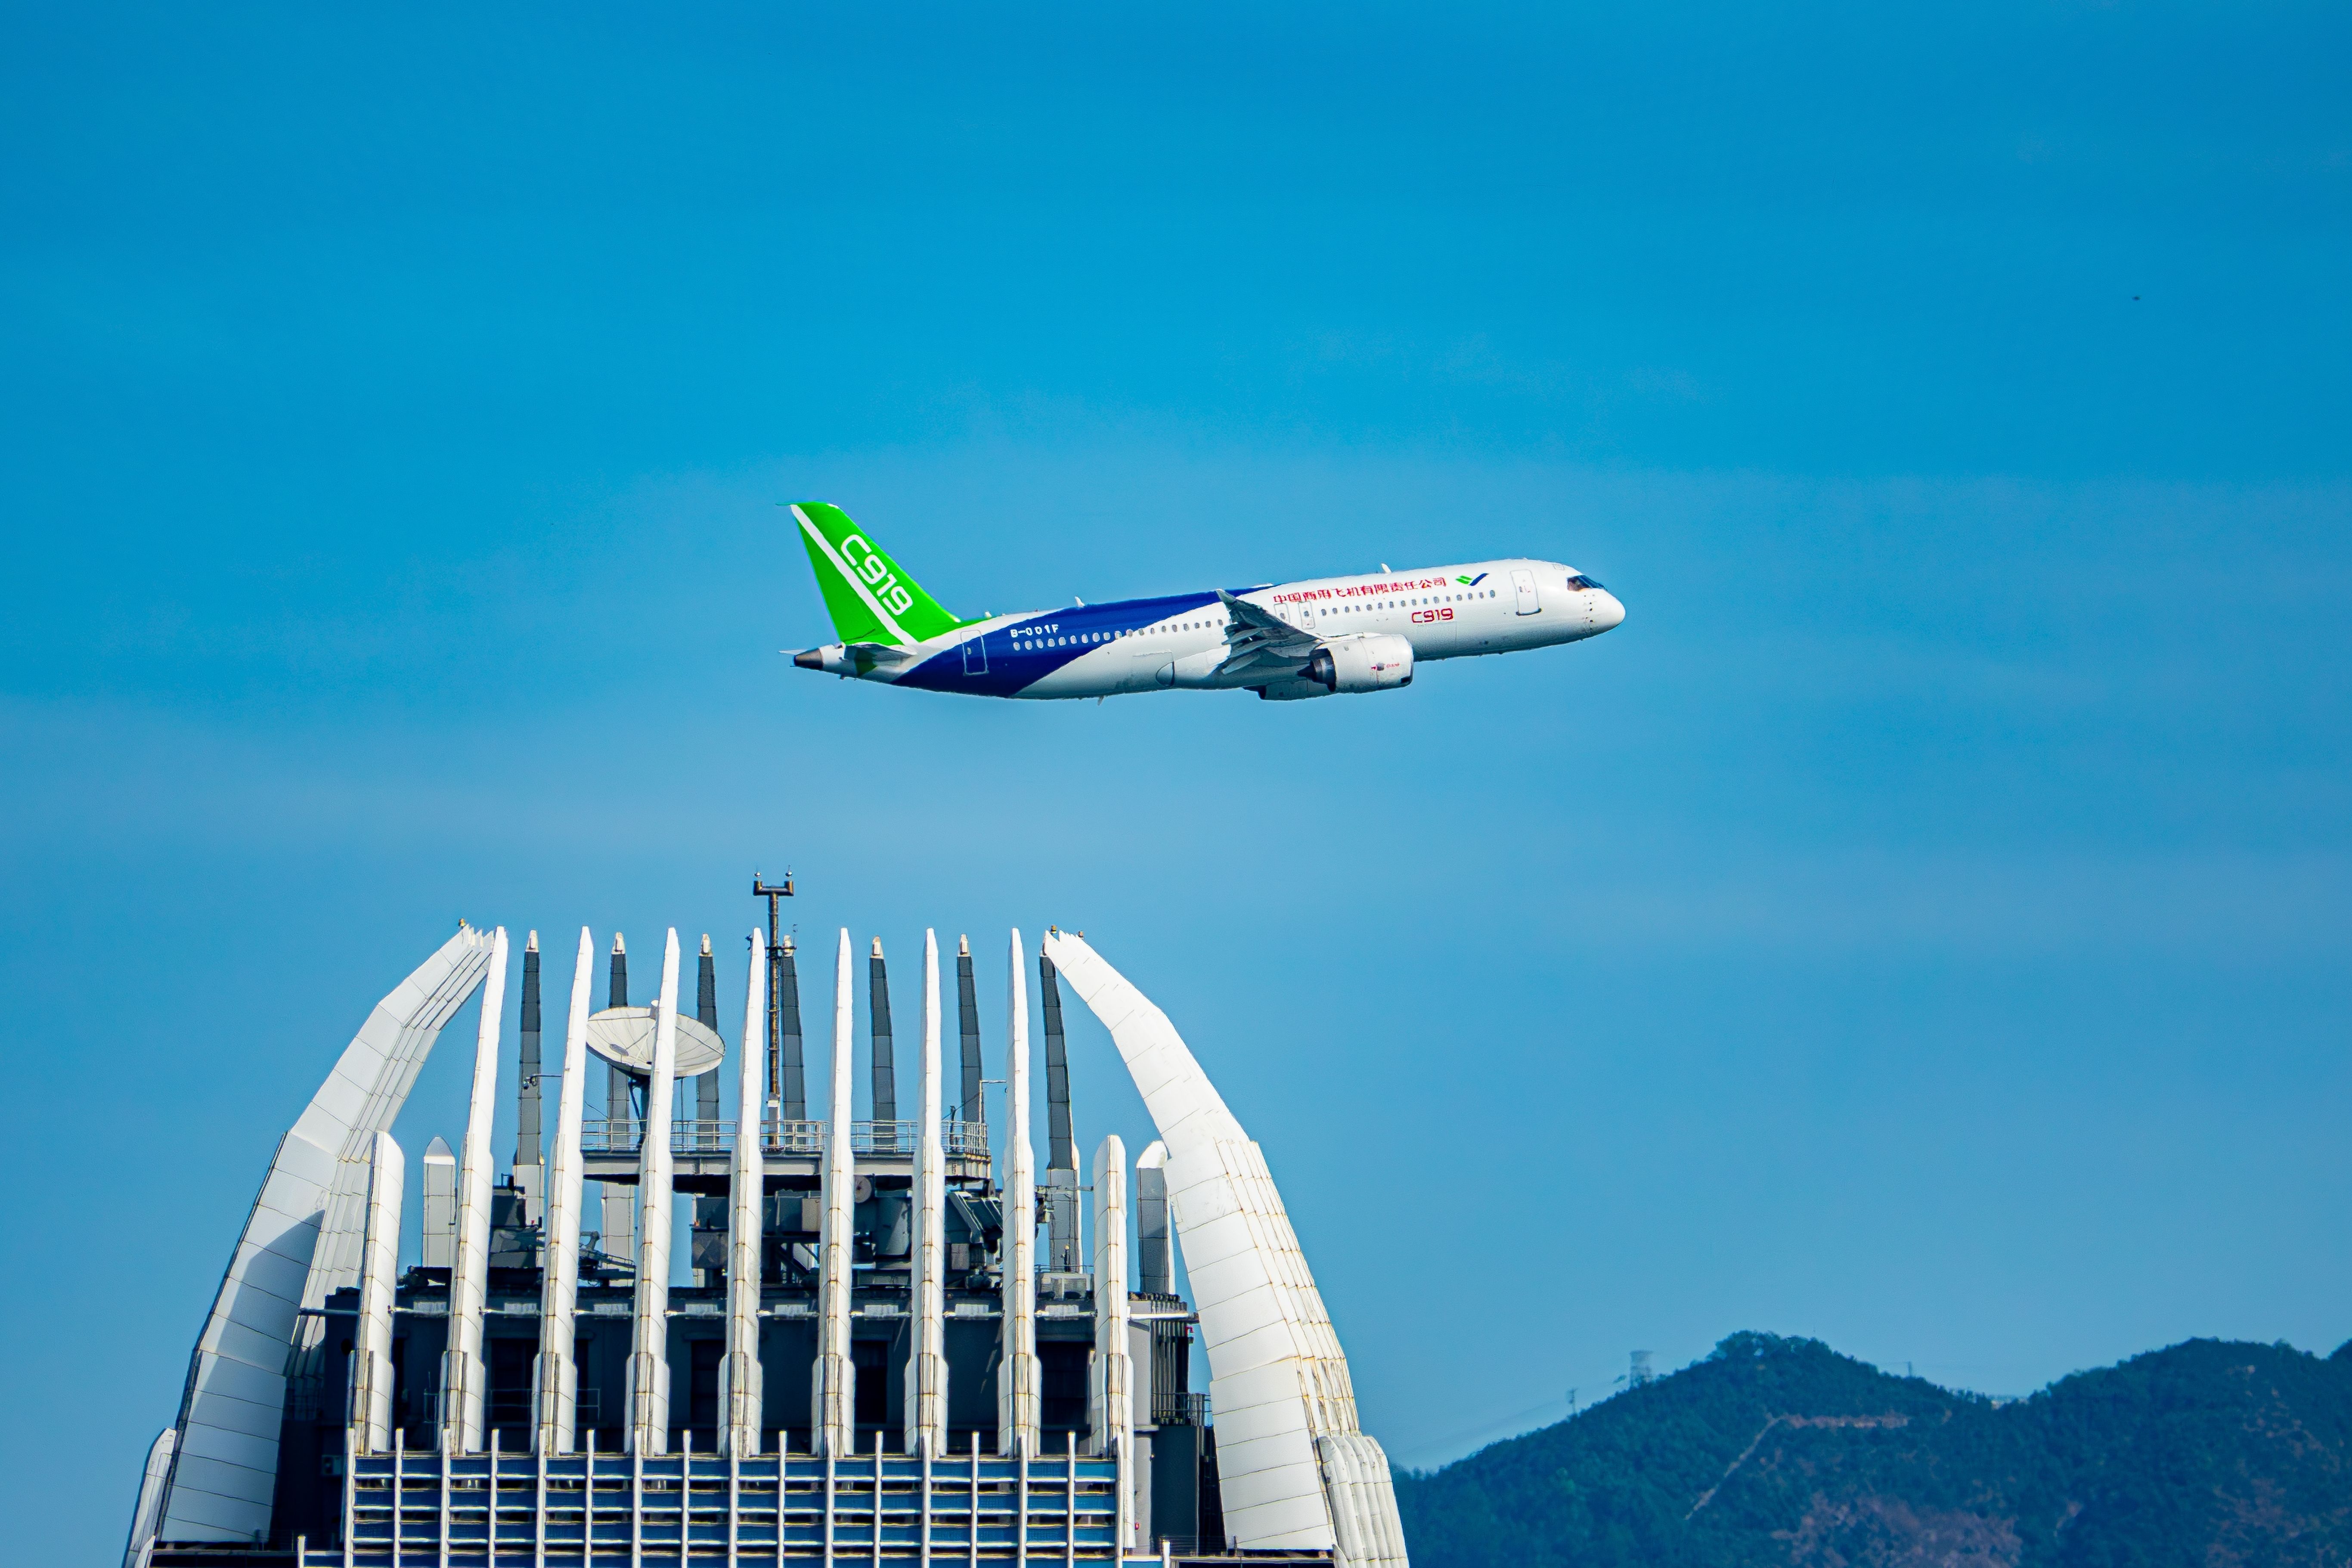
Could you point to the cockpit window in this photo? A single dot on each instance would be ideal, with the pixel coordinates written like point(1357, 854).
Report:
point(1581, 580)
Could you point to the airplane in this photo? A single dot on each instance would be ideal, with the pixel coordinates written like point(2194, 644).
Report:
point(1321, 636)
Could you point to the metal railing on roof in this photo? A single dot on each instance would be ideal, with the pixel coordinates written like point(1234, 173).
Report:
point(967, 1139)
point(1179, 1410)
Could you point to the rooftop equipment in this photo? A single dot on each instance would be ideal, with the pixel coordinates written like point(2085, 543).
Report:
point(863, 1368)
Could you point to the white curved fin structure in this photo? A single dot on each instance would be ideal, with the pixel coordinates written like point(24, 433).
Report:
point(1111, 1372)
point(148, 1512)
point(301, 1241)
point(649, 1334)
point(465, 1380)
point(370, 1417)
point(1017, 1375)
point(833, 1393)
point(927, 1361)
point(1296, 1470)
point(741, 1408)
point(555, 1381)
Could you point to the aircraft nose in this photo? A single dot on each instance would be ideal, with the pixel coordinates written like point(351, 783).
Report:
point(1610, 612)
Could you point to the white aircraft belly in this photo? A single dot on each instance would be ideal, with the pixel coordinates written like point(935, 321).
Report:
point(1097, 672)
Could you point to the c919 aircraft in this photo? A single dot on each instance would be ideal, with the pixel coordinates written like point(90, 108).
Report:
point(1318, 637)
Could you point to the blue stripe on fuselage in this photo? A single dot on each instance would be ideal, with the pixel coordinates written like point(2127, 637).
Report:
point(1025, 652)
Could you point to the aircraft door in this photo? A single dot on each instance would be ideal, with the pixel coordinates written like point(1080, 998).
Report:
point(1523, 583)
point(975, 655)
point(1306, 617)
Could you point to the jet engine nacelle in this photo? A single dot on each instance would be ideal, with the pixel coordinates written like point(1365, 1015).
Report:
point(1345, 665)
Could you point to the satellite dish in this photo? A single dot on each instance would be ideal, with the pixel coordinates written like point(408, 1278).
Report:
point(625, 1036)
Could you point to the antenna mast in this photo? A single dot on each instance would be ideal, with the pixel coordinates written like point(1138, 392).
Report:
point(761, 889)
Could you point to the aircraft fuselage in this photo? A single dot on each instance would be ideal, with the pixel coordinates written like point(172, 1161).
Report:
point(1194, 641)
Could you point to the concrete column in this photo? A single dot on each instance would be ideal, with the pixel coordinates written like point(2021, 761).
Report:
point(741, 1409)
point(1016, 1371)
point(650, 1336)
point(464, 1377)
point(927, 1363)
point(1112, 1382)
point(555, 1381)
point(834, 1396)
point(1110, 1388)
point(372, 1374)
point(1155, 1249)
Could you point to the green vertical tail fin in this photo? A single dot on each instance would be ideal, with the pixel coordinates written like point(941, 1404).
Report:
point(870, 600)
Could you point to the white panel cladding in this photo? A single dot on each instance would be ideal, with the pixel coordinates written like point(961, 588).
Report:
point(1017, 1374)
point(1155, 1263)
point(1109, 1403)
point(383, 1062)
point(463, 1378)
point(555, 1381)
point(370, 1417)
point(833, 1392)
point(437, 1234)
point(742, 1409)
point(1278, 1379)
point(1363, 1499)
point(1110, 1375)
point(649, 1335)
point(927, 1362)
point(241, 1451)
point(302, 1240)
point(148, 1512)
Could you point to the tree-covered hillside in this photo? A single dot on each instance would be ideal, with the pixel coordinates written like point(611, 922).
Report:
point(1781, 1451)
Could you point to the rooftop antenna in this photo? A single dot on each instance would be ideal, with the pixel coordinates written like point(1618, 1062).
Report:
point(705, 1013)
point(761, 889)
point(968, 1023)
point(528, 1145)
point(616, 995)
point(885, 1090)
point(1066, 1246)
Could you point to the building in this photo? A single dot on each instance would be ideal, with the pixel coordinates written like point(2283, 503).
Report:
point(894, 1347)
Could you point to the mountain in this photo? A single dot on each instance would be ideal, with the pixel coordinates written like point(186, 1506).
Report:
point(1781, 1451)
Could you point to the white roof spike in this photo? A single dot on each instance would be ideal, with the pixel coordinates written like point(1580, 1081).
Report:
point(705, 944)
point(618, 945)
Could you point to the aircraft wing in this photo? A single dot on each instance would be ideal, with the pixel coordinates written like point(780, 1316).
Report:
point(1261, 643)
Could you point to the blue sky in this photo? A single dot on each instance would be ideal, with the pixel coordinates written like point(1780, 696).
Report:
point(1922, 925)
